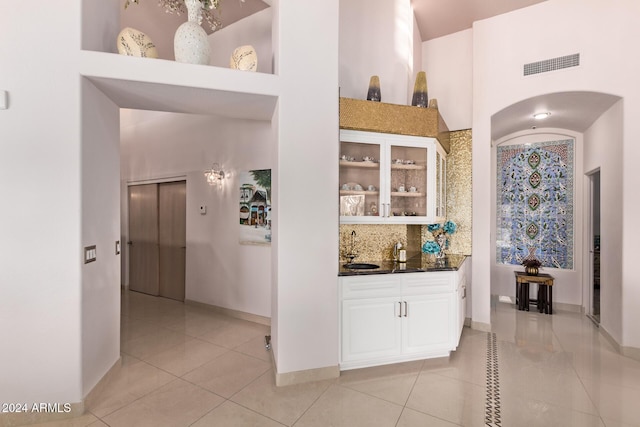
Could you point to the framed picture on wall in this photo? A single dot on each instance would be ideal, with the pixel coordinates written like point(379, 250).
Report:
point(255, 207)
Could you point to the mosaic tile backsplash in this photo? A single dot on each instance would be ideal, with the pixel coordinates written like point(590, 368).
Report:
point(372, 241)
point(535, 203)
point(459, 192)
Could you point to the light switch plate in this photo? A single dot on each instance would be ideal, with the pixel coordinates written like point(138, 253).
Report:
point(89, 254)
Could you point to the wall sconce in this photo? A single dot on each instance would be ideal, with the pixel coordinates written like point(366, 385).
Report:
point(215, 175)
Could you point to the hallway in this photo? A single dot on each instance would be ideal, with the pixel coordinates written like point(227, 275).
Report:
point(183, 366)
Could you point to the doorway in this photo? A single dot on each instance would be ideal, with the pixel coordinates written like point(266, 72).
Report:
point(594, 246)
point(157, 239)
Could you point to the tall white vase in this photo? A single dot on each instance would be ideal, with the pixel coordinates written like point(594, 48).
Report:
point(191, 43)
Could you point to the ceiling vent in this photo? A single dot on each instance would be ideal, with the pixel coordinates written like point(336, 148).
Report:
point(552, 64)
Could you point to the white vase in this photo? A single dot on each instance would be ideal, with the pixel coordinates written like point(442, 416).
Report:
point(191, 43)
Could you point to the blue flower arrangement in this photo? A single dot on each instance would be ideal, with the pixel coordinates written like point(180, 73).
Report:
point(449, 227)
point(430, 247)
point(440, 233)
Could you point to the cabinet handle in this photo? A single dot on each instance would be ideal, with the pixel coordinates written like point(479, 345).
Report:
point(388, 210)
point(406, 309)
point(400, 307)
point(464, 292)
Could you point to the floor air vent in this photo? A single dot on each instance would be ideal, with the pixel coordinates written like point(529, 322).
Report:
point(552, 64)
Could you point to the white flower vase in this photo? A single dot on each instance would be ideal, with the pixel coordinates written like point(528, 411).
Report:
point(191, 44)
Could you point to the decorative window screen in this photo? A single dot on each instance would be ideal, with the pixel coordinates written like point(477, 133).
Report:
point(535, 203)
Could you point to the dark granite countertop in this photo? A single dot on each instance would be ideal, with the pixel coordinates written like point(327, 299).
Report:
point(415, 264)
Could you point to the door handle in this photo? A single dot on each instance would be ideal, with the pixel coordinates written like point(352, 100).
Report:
point(129, 243)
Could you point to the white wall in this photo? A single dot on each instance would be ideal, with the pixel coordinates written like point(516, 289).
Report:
point(448, 62)
point(100, 227)
point(603, 147)
point(219, 270)
point(569, 281)
point(554, 28)
point(376, 38)
point(416, 58)
point(305, 212)
point(40, 223)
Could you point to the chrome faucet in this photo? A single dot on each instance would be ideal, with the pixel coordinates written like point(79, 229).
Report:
point(352, 251)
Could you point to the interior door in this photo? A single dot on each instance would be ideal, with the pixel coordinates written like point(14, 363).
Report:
point(172, 197)
point(143, 239)
point(595, 246)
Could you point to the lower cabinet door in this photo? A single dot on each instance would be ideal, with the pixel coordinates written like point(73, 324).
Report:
point(429, 323)
point(371, 328)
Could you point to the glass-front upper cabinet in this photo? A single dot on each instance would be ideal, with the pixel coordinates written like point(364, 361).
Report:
point(386, 178)
point(359, 179)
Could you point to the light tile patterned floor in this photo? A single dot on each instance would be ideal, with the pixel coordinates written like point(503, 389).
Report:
point(186, 366)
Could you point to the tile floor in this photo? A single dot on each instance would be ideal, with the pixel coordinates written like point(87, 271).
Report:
point(185, 366)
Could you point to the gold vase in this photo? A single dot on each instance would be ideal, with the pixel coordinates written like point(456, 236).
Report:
point(374, 89)
point(420, 98)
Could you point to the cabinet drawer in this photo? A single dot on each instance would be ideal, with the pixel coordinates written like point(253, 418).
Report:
point(428, 283)
point(370, 286)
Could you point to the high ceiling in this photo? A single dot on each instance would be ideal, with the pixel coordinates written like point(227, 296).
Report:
point(574, 111)
point(437, 18)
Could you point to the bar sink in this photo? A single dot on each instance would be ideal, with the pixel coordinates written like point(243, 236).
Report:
point(361, 266)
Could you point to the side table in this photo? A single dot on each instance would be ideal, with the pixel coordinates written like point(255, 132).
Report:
point(545, 291)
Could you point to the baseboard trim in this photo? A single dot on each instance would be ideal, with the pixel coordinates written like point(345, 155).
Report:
point(630, 352)
point(480, 326)
point(97, 390)
point(306, 376)
point(572, 308)
point(231, 313)
point(560, 306)
point(300, 377)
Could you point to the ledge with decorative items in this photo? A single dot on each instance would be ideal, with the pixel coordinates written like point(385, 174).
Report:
point(191, 42)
